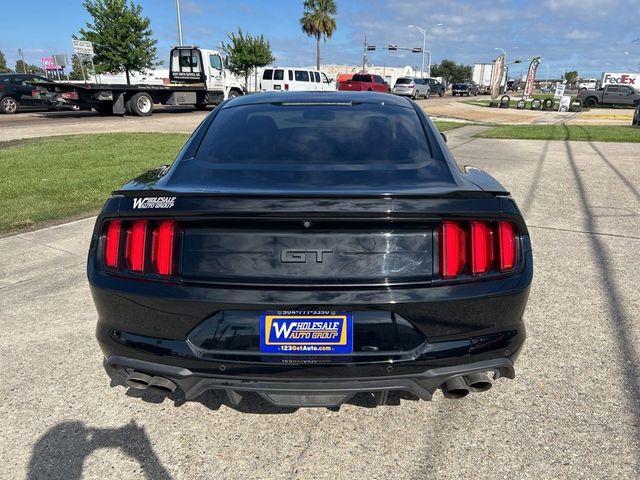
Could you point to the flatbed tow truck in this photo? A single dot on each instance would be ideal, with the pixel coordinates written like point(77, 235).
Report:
point(197, 77)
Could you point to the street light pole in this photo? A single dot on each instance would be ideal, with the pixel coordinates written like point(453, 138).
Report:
point(425, 32)
point(424, 44)
point(179, 23)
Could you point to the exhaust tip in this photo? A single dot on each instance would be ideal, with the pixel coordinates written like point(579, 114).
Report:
point(455, 387)
point(479, 382)
point(161, 384)
point(138, 380)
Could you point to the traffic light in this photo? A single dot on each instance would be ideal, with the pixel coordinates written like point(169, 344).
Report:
point(392, 47)
point(416, 50)
point(371, 47)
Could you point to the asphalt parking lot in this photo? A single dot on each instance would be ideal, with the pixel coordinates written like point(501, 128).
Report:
point(573, 410)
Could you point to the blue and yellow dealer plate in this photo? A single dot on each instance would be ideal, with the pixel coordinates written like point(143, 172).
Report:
point(307, 333)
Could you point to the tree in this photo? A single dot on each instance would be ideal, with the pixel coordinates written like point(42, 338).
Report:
point(317, 21)
point(76, 68)
point(3, 64)
point(451, 71)
point(246, 53)
point(571, 77)
point(121, 37)
point(23, 67)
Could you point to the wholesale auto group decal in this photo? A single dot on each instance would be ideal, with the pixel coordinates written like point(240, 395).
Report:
point(154, 202)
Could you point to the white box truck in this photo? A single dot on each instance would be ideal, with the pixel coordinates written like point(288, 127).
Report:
point(482, 77)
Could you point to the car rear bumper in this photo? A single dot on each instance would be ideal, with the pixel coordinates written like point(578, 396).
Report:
point(325, 392)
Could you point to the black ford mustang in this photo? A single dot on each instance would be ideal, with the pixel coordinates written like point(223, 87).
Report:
point(308, 247)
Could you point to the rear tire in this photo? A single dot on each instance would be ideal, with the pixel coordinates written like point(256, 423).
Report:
point(9, 105)
point(590, 102)
point(141, 104)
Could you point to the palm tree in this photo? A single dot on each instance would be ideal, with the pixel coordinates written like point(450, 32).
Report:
point(317, 21)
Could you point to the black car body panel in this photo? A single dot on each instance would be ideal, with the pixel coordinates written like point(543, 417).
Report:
point(366, 248)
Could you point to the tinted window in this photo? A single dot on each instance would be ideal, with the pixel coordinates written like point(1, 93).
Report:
point(269, 146)
point(613, 88)
point(379, 79)
point(317, 75)
point(268, 74)
point(361, 78)
point(626, 90)
point(403, 81)
point(302, 76)
point(290, 75)
point(278, 74)
point(312, 78)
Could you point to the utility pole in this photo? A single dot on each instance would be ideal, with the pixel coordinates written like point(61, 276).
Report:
point(364, 55)
point(179, 23)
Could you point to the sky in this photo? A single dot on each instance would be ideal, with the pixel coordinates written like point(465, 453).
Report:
point(590, 36)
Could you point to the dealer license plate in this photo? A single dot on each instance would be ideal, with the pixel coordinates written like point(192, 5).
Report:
point(306, 333)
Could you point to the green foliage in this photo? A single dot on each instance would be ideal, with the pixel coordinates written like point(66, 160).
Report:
point(451, 71)
point(584, 133)
point(23, 67)
point(121, 36)
point(76, 68)
point(58, 177)
point(246, 53)
point(318, 21)
point(3, 64)
point(571, 77)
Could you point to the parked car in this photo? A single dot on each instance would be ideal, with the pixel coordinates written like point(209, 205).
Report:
point(294, 80)
point(412, 87)
point(610, 95)
point(19, 92)
point(436, 87)
point(341, 250)
point(464, 88)
point(365, 82)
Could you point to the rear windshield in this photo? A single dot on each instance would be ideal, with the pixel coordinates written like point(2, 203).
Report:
point(306, 146)
point(361, 78)
point(268, 74)
point(403, 81)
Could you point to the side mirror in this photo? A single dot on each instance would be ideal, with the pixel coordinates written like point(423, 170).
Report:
point(444, 137)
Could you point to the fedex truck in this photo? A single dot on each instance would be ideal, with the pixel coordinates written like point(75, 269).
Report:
point(630, 79)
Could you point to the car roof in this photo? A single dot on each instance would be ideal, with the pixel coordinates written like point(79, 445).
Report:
point(319, 98)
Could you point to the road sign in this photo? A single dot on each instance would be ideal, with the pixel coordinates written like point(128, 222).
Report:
point(82, 47)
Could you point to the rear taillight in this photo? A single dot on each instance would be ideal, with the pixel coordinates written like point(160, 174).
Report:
point(481, 247)
point(162, 247)
point(70, 95)
point(136, 245)
point(286, 87)
point(112, 244)
point(507, 246)
point(452, 249)
point(140, 252)
point(477, 248)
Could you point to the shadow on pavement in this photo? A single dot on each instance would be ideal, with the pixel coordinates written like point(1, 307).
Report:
point(620, 321)
point(61, 452)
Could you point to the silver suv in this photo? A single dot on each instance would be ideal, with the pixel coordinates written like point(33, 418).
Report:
point(412, 87)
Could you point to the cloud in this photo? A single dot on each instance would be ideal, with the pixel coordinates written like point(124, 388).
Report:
point(193, 7)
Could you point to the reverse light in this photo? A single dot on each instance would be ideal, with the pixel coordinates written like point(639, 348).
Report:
point(112, 244)
point(162, 247)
